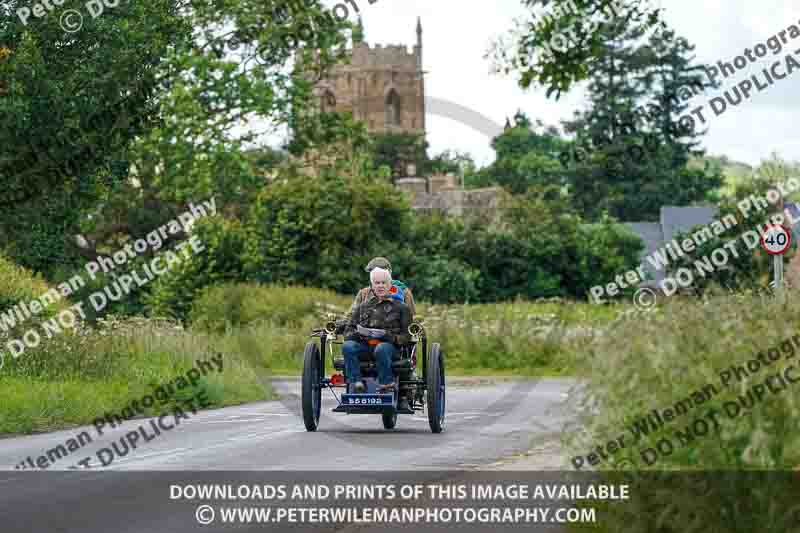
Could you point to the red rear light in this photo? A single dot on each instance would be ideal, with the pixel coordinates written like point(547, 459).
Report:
point(337, 379)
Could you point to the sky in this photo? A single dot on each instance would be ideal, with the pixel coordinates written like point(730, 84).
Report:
point(457, 35)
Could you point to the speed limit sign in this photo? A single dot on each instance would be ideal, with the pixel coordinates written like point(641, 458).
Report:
point(776, 239)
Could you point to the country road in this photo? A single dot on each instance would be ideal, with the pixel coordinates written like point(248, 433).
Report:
point(489, 423)
point(486, 422)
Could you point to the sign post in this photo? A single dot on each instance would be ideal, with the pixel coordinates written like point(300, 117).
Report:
point(776, 240)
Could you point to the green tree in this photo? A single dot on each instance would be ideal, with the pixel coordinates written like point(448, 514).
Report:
point(526, 156)
point(321, 231)
point(209, 80)
point(398, 150)
point(634, 166)
point(528, 52)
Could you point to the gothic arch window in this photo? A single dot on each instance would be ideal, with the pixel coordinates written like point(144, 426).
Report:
point(392, 108)
point(328, 101)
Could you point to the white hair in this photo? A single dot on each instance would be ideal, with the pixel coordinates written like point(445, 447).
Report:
point(377, 271)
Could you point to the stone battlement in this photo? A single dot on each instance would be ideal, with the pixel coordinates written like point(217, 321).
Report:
point(395, 56)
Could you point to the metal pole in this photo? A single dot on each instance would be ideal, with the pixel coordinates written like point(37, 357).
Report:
point(778, 264)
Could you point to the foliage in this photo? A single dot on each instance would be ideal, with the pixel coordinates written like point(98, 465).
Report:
point(638, 161)
point(558, 69)
point(320, 231)
point(236, 305)
point(538, 248)
point(746, 268)
point(70, 379)
point(450, 162)
point(149, 122)
point(65, 124)
point(526, 156)
point(19, 285)
point(398, 150)
point(224, 241)
point(671, 354)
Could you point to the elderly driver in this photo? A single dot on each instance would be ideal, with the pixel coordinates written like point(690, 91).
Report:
point(376, 326)
point(366, 293)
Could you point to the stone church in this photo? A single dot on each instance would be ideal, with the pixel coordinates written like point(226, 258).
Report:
point(384, 87)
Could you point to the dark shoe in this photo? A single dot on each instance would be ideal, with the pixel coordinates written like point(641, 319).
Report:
point(358, 387)
point(403, 405)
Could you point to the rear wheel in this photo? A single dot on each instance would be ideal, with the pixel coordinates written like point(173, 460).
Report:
point(435, 383)
point(312, 388)
point(390, 419)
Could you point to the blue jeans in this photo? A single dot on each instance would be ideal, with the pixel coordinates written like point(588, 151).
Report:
point(384, 353)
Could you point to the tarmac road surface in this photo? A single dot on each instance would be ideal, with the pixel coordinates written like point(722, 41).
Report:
point(487, 423)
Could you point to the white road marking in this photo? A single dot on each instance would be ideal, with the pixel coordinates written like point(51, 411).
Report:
point(232, 421)
point(143, 455)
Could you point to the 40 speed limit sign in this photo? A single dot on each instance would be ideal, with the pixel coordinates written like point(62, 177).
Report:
point(776, 239)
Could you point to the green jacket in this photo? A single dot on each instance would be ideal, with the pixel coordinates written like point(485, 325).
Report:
point(391, 315)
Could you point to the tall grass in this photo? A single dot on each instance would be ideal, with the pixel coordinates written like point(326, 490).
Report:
point(73, 378)
point(654, 361)
point(269, 327)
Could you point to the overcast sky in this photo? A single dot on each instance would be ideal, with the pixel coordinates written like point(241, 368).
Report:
point(457, 34)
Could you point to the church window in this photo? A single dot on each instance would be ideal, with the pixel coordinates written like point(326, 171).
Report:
point(392, 109)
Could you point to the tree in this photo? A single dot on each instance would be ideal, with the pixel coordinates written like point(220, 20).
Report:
point(154, 107)
point(577, 31)
point(526, 156)
point(398, 150)
point(450, 162)
point(635, 165)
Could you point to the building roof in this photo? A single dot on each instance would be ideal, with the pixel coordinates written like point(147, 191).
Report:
point(673, 220)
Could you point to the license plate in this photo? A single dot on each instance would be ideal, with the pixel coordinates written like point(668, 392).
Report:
point(382, 399)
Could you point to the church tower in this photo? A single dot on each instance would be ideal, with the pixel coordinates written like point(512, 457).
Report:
point(384, 87)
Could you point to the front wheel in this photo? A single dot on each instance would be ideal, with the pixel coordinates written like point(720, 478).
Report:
point(434, 379)
point(312, 388)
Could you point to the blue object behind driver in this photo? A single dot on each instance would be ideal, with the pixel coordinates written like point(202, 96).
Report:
point(396, 292)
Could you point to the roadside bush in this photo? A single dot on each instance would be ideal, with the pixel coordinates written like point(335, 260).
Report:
point(602, 251)
point(321, 231)
point(745, 268)
point(173, 293)
point(19, 285)
point(236, 305)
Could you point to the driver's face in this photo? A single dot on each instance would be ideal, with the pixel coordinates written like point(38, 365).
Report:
point(381, 286)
